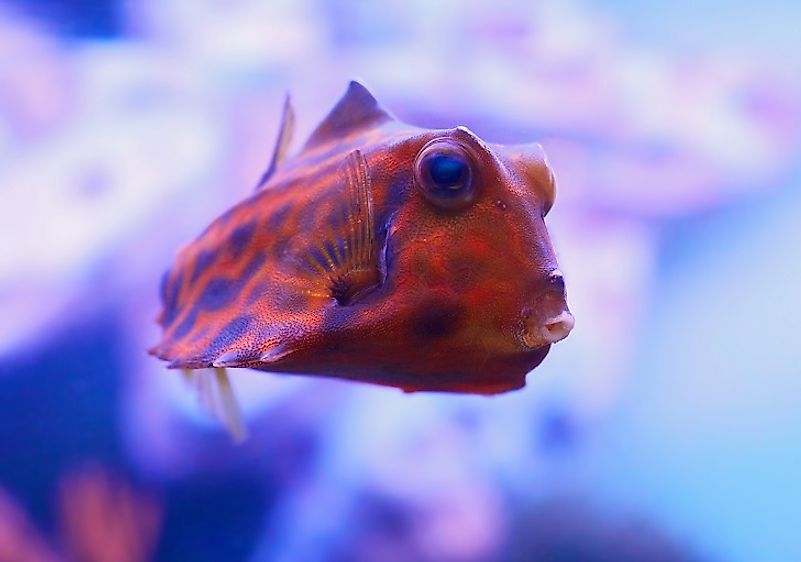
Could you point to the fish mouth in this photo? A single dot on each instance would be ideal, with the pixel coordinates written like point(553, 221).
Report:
point(557, 328)
point(535, 334)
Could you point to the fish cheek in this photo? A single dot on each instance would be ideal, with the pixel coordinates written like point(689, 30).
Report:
point(435, 320)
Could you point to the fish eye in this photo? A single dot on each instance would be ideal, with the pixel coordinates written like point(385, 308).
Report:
point(444, 175)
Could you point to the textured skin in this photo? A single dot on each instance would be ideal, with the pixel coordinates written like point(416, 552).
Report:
point(433, 300)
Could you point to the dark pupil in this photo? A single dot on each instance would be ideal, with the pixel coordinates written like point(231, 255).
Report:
point(447, 171)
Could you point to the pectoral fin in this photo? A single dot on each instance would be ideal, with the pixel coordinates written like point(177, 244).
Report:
point(345, 256)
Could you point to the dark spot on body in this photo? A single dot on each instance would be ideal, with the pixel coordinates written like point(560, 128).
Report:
point(232, 331)
point(203, 261)
point(436, 320)
point(279, 245)
point(278, 217)
point(253, 267)
point(186, 325)
point(465, 271)
point(218, 293)
point(241, 236)
point(256, 293)
point(169, 297)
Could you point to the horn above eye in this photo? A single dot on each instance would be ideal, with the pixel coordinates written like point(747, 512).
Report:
point(443, 172)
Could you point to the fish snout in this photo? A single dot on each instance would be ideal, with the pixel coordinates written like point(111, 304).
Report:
point(550, 321)
point(557, 328)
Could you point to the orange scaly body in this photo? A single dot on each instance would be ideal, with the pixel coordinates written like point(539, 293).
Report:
point(381, 252)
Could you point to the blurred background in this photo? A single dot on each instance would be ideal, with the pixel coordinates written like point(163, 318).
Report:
point(667, 427)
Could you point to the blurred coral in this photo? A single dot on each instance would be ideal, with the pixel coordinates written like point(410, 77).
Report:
point(103, 519)
point(19, 539)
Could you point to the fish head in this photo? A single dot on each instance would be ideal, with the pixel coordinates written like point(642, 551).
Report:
point(470, 268)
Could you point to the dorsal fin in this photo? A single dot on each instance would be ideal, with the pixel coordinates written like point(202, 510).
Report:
point(285, 133)
point(356, 110)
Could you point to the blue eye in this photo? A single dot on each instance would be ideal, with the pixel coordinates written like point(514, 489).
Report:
point(447, 171)
point(444, 176)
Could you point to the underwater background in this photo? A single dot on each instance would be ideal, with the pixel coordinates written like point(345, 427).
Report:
point(667, 427)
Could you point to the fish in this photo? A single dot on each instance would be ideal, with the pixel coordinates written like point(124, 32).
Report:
point(379, 252)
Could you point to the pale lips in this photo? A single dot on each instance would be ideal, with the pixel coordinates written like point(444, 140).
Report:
point(553, 330)
point(557, 328)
